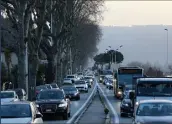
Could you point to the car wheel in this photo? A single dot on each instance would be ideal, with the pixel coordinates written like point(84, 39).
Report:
point(78, 98)
point(122, 114)
point(86, 91)
point(65, 116)
point(69, 114)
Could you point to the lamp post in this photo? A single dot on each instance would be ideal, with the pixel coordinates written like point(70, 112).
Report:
point(167, 45)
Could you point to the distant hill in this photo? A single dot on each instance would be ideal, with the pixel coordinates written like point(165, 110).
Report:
point(140, 43)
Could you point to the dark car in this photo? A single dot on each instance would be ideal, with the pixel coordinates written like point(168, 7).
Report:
point(101, 78)
point(71, 92)
point(21, 93)
point(126, 106)
point(53, 102)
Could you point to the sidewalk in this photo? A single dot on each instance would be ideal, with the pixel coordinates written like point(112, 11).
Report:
point(94, 114)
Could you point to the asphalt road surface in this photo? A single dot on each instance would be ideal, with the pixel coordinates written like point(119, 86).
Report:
point(75, 106)
point(116, 105)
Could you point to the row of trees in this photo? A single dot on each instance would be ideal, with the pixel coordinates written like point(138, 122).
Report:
point(53, 27)
point(149, 69)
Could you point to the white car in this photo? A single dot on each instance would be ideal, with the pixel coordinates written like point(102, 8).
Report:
point(67, 80)
point(20, 113)
point(81, 86)
point(72, 77)
point(9, 96)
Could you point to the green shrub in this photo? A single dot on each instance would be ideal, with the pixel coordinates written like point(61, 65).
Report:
point(106, 111)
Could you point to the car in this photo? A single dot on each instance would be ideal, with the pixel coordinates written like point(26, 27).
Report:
point(71, 92)
point(54, 86)
point(73, 78)
point(126, 108)
point(110, 86)
point(67, 80)
point(40, 88)
point(49, 86)
point(81, 86)
point(53, 102)
point(154, 111)
point(80, 75)
point(21, 93)
point(101, 78)
point(20, 113)
point(9, 96)
point(88, 80)
point(127, 88)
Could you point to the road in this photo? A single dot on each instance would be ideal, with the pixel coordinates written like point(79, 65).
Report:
point(116, 105)
point(75, 105)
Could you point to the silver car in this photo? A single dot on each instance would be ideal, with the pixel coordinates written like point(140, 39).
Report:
point(20, 113)
point(156, 111)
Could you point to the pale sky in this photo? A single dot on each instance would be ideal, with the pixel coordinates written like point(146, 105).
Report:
point(126, 13)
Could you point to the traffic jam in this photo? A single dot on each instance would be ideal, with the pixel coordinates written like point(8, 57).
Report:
point(143, 99)
point(51, 100)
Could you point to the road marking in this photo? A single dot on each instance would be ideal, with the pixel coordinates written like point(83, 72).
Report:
point(116, 119)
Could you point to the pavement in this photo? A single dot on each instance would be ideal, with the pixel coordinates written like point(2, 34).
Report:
point(75, 106)
point(116, 105)
point(94, 114)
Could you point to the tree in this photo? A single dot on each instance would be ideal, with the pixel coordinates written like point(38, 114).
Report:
point(7, 53)
point(107, 57)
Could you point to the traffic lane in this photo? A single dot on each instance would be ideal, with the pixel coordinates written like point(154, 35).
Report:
point(116, 105)
point(75, 106)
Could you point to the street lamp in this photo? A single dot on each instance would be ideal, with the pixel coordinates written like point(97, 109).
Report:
point(167, 44)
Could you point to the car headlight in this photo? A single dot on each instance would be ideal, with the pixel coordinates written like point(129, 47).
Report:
point(91, 80)
point(62, 105)
point(139, 123)
point(76, 94)
point(137, 103)
point(114, 80)
point(125, 104)
point(119, 92)
point(37, 105)
point(101, 79)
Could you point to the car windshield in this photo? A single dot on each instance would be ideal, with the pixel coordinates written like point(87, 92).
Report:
point(19, 92)
point(69, 89)
point(79, 73)
point(15, 111)
point(51, 95)
point(48, 86)
point(7, 95)
point(154, 109)
point(41, 87)
point(87, 77)
point(70, 76)
point(154, 89)
point(54, 85)
point(79, 82)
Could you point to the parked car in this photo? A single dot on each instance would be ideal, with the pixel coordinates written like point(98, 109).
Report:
point(9, 96)
point(20, 113)
point(53, 102)
point(155, 111)
point(81, 86)
point(71, 92)
point(21, 93)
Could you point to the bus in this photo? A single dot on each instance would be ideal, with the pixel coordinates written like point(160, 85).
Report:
point(153, 88)
point(124, 76)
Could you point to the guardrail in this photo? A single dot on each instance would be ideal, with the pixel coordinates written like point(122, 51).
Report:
point(78, 114)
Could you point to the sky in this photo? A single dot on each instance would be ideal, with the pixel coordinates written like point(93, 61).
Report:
point(127, 13)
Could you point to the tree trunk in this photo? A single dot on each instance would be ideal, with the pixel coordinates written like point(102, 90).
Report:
point(33, 67)
point(50, 71)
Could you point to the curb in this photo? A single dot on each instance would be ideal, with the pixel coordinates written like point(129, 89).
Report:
point(75, 118)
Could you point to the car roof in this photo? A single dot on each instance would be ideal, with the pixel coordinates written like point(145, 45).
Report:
point(51, 90)
point(155, 101)
point(155, 79)
point(70, 75)
point(16, 102)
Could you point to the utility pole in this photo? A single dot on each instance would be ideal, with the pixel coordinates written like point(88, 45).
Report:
point(167, 45)
point(70, 60)
point(26, 64)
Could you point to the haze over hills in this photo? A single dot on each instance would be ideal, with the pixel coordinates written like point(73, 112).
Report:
point(140, 43)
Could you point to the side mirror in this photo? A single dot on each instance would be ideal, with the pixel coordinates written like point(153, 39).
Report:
point(39, 115)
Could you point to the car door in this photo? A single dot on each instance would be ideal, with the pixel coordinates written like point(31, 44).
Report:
point(34, 112)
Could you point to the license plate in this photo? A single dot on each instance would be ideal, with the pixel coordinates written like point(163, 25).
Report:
point(48, 110)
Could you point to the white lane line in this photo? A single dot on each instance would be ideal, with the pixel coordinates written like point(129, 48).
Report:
point(116, 119)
